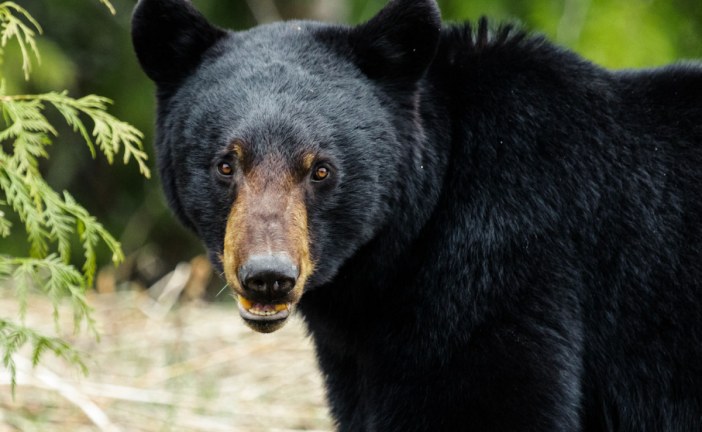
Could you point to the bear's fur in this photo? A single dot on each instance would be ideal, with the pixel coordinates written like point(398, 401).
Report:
point(509, 239)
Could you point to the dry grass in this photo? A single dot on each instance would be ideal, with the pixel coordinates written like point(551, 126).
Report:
point(194, 367)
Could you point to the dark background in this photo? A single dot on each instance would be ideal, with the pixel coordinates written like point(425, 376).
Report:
point(86, 50)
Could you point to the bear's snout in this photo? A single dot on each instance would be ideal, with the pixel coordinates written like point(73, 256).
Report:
point(270, 277)
point(266, 255)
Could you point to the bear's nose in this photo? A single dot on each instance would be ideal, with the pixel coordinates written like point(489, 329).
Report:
point(270, 276)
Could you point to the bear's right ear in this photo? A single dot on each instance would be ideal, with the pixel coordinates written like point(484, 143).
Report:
point(170, 37)
point(400, 42)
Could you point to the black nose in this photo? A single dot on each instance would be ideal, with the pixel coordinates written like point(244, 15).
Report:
point(269, 275)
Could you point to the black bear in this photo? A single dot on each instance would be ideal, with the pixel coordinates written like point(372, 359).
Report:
point(482, 231)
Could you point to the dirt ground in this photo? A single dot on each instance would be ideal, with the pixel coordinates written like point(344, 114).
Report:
point(162, 366)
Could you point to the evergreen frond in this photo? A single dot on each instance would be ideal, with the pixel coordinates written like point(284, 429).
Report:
point(26, 191)
point(17, 23)
point(22, 116)
point(72, 117)
point(6, 267)
point(52, 221)
point(23, 276)
point(56, 279)
point(109, 6)
point(111, 134)
point(5, 227)
point(19, 196)
point(13, 337)
point(91, 233)
point(55, 219)
point(60, 224)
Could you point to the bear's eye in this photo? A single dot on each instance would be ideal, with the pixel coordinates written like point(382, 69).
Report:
point(225, 169)
point(320, 173)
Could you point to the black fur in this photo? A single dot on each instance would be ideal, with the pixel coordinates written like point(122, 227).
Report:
point(512, 240)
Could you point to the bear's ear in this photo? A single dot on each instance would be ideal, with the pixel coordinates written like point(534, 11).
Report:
point(170, 37)
point(400, 41)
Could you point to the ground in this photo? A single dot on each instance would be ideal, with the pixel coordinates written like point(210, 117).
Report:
point(198, 368)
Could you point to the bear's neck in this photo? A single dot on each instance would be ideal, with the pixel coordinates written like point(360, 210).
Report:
point(426, 150)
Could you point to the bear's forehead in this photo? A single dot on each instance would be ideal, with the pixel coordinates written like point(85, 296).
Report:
point(295, 44)
point(271, 81)
point(281, 66)
point(282, 37)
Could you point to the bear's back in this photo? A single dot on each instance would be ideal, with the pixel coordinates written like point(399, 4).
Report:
point(605, 168)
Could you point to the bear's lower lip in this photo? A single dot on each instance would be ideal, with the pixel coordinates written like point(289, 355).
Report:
point(265, 326)
point(264, 318)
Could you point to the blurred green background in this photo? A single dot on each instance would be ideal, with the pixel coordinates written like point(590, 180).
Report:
point(86, 50)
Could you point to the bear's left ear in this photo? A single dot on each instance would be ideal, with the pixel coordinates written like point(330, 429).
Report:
point(400, 42)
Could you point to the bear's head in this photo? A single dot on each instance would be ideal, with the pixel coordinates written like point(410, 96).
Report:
point(283, 146)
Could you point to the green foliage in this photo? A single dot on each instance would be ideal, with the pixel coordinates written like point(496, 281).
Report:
point(13, 337)
point(12, 27)
point(613, 33)
point(52, 221)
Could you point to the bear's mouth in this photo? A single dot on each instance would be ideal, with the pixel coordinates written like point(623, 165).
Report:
point(264, 317)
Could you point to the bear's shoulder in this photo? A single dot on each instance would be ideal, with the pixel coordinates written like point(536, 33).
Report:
point(483, 41)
